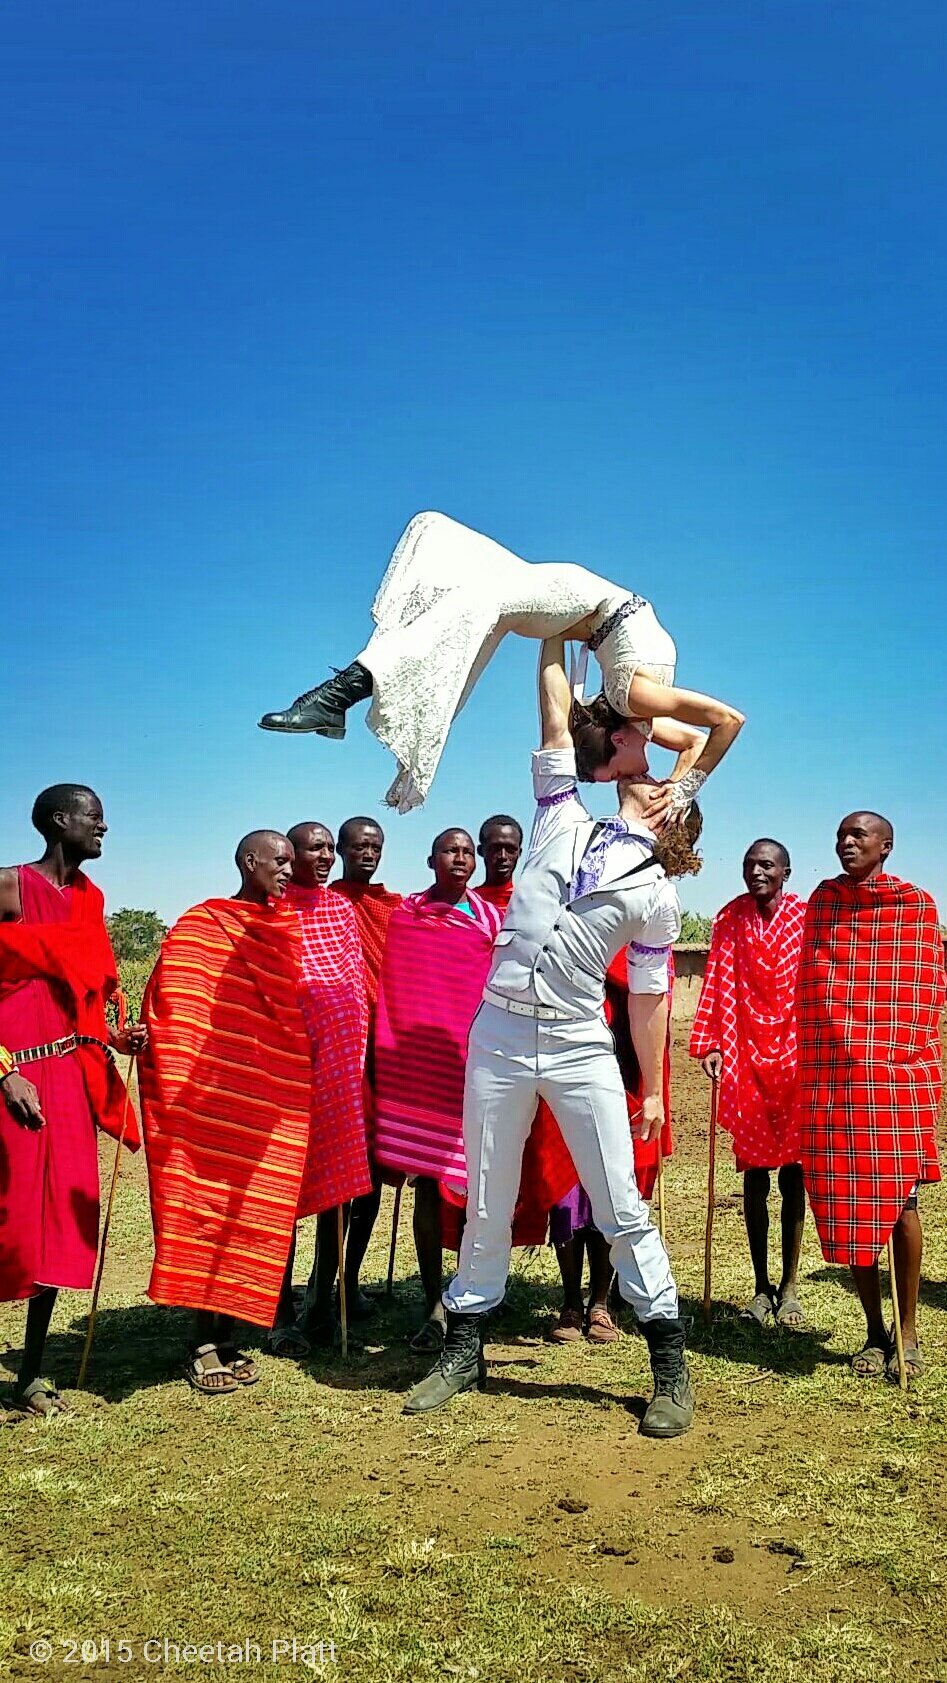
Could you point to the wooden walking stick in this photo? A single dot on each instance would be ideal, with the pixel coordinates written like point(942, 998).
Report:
point(896, 1309)
point(395, 1218)
point(709, 1230)
point(343, 1306)
point(90, 1328)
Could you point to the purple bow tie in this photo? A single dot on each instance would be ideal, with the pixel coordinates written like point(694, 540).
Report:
point(592, 864)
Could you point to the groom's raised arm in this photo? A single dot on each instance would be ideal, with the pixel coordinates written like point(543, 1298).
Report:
point(555, 697)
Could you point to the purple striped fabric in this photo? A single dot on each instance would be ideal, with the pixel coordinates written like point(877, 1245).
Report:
point(435, 965)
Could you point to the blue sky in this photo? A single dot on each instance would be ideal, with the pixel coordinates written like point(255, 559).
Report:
point(658, 289)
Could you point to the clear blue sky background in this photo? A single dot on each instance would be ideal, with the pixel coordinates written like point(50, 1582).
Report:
point(657, 288)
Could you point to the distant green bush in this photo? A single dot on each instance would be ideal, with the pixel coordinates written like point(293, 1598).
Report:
point(696, 928)
point(133, 976)
point(135, 934)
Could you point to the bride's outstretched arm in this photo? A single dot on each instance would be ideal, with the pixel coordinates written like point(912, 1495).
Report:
point(683, 740)
point(555, 697)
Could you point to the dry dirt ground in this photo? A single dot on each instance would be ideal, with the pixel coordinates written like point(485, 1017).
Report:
point(797, 1533)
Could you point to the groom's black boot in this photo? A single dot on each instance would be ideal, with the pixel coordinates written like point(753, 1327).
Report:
point(671, 1410)
point(460, 1366)
point(323, 709)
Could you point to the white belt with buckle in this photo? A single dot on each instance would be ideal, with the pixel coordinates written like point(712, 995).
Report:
point(523, 1008)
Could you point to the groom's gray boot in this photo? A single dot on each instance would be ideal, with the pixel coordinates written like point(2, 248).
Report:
point(671, 1410)
point(460, 1366)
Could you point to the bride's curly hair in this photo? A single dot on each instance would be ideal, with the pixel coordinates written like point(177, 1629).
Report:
point(675, 847)
point(591, 724)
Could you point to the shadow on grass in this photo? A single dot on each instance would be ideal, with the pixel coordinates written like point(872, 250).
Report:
point(140, 1347)
point(932, 1293)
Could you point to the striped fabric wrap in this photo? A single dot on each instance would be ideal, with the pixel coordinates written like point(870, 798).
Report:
point(225, 1089)
point(335, 1010)
point(869, 995)
point(374, 907)
point(435, 967)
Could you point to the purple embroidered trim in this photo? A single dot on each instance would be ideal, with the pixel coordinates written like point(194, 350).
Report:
point(624, 609)
point(557, 800)
point(639, 947)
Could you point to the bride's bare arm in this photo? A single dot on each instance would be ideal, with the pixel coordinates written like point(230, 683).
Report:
point(683, 740)
point(650, 700)
point(555, 697)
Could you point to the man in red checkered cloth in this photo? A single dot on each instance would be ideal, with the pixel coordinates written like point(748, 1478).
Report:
point(869, 996)
point(745, 1035)
point(335, 1008)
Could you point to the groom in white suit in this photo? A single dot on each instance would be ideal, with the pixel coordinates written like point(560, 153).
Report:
point(587, 890)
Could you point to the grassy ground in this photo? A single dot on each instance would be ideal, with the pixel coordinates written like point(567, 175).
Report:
point(797, 1534)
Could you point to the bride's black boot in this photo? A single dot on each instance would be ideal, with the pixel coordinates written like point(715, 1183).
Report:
point(323, 709)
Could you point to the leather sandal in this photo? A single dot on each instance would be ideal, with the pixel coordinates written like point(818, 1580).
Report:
point(40, 1397)
point(199, 1371)
point(568, 1327)
point(600, 1328)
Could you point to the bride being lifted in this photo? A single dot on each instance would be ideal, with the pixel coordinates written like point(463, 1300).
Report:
point(449, 597)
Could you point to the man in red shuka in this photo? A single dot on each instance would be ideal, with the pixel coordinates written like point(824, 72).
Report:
point(57, 1072)
point(745, 1036)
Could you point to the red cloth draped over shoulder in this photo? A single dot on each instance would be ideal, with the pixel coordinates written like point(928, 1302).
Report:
point(869, 995)
point(747, 1012)
point(226, 1086)
point(75, 957)
point(498, 894)
point(616, 1016)
point(374, 906)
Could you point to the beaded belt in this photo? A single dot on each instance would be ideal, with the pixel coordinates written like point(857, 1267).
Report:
point(61, 1048)
point(624, 609)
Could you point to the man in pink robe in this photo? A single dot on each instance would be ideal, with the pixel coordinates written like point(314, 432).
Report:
point(436, 960)
point(56, 974)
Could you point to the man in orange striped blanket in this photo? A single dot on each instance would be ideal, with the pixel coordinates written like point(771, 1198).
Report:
point(233, 1155)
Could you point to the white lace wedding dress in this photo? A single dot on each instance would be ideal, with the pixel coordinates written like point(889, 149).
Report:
point(449, 597)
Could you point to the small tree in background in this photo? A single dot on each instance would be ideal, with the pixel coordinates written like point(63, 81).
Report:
point(135, 935)
point(695, 928)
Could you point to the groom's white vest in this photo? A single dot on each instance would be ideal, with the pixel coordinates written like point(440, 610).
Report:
point(561, 950)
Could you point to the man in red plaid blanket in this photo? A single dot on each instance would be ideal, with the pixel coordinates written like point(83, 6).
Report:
point(335, 1007)
point(745, 1036)
point(869, 995)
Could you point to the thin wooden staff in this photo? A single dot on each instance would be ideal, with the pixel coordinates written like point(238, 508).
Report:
point(395, 1218)
point(896, 1309)
point(660, 1186)
point(343, 1306)
point(90, 1327)
point(709, 1229)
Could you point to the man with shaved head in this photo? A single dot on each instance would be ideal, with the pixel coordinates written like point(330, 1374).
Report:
point(335, 1007)
point(226, 1091)
point(58, 1081)
point(745, 1036)
point(869, 997)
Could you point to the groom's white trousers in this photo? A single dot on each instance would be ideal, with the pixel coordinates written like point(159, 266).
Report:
point(512, 1062)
